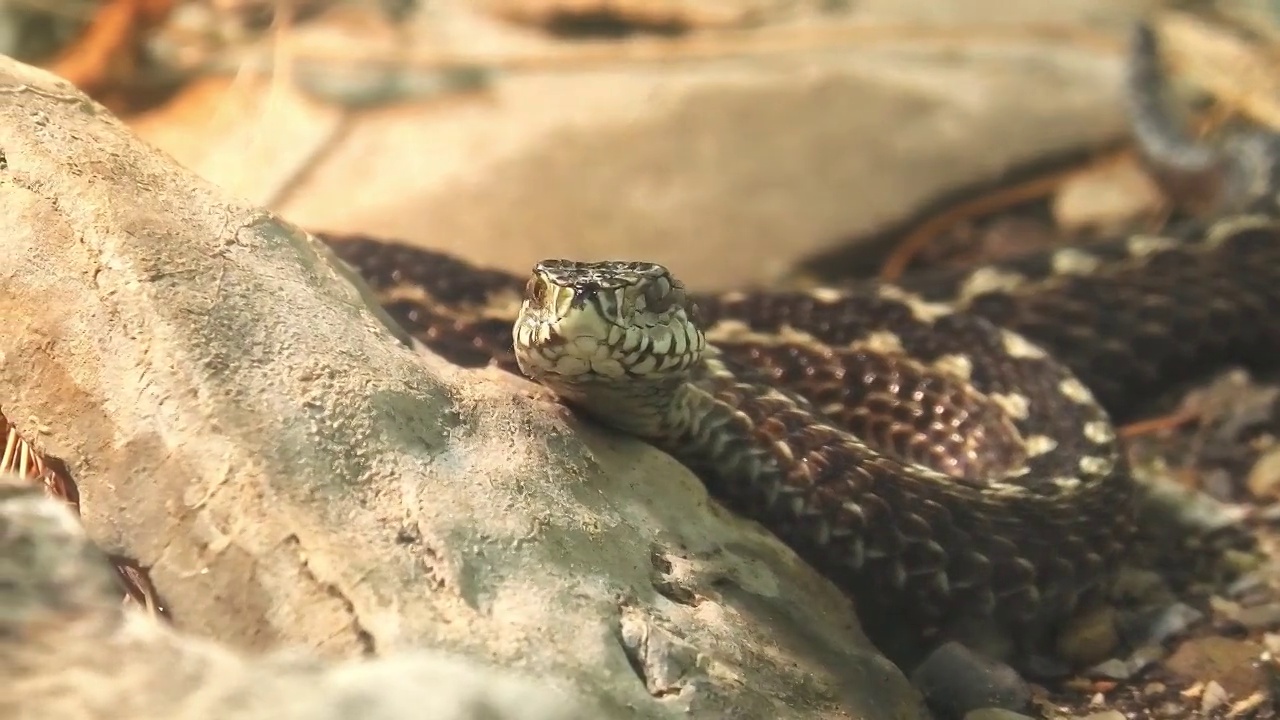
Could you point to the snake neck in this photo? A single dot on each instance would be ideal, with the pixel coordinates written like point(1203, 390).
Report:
point(640, 408)
point(712, 436)
point(680, 415)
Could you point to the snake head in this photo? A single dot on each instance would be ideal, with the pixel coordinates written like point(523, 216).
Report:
point(593, 322)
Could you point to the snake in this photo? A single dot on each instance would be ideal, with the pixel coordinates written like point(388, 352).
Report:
point(943, 447)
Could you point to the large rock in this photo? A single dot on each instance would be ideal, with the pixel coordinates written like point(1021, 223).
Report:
point(241, 422)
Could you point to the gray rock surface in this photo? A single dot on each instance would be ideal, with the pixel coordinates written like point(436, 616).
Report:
point(240, 422)
point(69, 649)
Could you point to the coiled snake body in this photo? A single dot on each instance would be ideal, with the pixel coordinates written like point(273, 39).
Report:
point(943, 448)
point(944, 461)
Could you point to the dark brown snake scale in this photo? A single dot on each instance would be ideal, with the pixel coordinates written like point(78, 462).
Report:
point(932, 446)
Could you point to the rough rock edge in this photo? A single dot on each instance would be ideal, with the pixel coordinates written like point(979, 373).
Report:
point(240, 422)
point(65, 631)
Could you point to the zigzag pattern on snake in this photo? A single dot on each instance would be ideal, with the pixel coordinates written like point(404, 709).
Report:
point(942, 447)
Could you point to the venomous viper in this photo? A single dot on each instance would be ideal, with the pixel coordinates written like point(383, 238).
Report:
point(943, 447)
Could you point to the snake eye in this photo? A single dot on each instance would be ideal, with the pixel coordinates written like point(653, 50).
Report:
point(536, 292)
point(658, 295)
point(694, 313)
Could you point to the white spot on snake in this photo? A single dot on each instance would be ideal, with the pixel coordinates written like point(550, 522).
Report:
point(1091, 465)
point(774, 394)
point(1066, 483)
point(735, 331)
point(921, 309)
point(730, 330)
point(985, 280)
point(959, 365)
point(1007, 489)
point(1224, 229)
point(1073, 261)
point(826, 295)
point(1075, 391)
point(1017, 406)
point(1099, 431)
point(1020, 347)
point(1140, 246)
point(501, 305)
point(880, 341)
point(1040, 444)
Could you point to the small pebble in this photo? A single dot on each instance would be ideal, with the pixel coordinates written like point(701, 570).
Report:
point(1214, 696)
point(1125, 668)
point(1224, 607)
point(955, 681)
point(1090, 637)
point(1259, 616)
point(1144, 657)
point(1113, 669)
point(1155, 627)
point(1247, 585)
